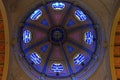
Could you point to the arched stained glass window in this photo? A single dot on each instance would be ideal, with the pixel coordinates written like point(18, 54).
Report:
point(79, 59)
point(58, 6)
point(35, 58)
point(57, 67)
point(88, 38)
point(27, 36)
point(36, 14)
point(80, 15)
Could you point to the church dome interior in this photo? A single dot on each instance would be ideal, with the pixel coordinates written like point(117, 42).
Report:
point(60, 40)
point(56, 43)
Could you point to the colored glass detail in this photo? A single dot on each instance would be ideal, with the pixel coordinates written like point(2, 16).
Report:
point(36, 14)
point(88, 38)
point(80, 15)
point(70, 49)
point(27, 36)
point(44, 22)
point(57, 67)
point(70, 23)
point(79, 59)
point(44, 48)
point(35, 58)
point(50, 38)
point(58, 6)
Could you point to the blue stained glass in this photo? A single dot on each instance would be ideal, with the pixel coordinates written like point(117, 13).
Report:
point(44, 22)
point(58, 6)
point(70, 23)
point(26, 36)
point(88, 38)
point(36, 14)
point(57, 67)
point(79, 59)
point(44, 48)
point(35, 58)
point(70, 49)
point(80, 15)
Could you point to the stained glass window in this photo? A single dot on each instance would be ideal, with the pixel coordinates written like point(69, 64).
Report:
point(79, 59)
point(58, 6)
point(27, 36)
point(80, 15)
point(36, 14)
point(88, 38)
point(57, 67)
point(35, 58)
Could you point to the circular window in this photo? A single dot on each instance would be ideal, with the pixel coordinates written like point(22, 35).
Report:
point(58, 39)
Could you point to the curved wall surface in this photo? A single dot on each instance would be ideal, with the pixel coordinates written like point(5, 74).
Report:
point(4, 43)
point(102, 13)
point(2, 46)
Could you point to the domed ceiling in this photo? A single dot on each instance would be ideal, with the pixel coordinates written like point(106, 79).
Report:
point(58, 39)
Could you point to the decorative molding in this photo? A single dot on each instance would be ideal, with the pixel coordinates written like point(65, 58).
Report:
point(116, 19)
point(6, 34)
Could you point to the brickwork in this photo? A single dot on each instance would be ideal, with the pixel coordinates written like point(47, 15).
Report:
point(2, 46)
point(117, 51)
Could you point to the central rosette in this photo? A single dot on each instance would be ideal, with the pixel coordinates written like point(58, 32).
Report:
point(57, 35)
